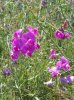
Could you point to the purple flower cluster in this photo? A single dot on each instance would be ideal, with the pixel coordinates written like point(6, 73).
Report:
point(61, 35)
point(24, 43)
point(67, 79)
point(62, 64)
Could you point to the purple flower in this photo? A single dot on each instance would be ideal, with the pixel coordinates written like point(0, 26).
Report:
point(64, 60)
point(34, 31)
point(6, 71)
point(61, 35)
point(24, 43)
point(67, 80)
point(59, 65)
point(63, 63)
point(52, 54)
point(16, 42)
point(54, 71)
point(29, 47)
point(67, 35)
point(44, 2)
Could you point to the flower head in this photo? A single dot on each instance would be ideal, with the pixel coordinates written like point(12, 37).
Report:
point(61, 35)
point(52, 54)
point(67, 35)
point(67, 80)
point(6, 71)
point(24, 43)
point(63, 63)
point(33, 31)
point(54, 71)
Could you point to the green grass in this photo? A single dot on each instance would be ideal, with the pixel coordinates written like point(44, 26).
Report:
point(29, 74)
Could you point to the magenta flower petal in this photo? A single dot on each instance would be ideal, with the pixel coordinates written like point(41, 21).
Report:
point(37, 46)
point(15, 49)
point(59, 65)
point(53, 54)
point(63, 63)
point(33, 31)
point(66, 67)
point(17, 43)
point(28, 53)
point(27, 36)
point(64, 60)
point(59, 35)
point(54, 71)
point(18, 33)
point(67, 35)
point(14, 55)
